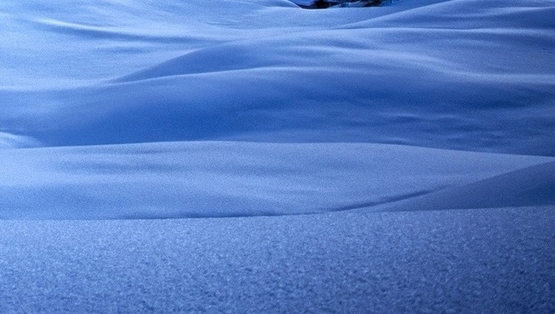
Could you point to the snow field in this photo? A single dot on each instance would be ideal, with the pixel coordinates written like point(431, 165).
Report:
point(251, 156)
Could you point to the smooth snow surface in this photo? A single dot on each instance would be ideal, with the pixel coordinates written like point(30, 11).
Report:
point(250, 156)
point(461, 74)
point(214, 179)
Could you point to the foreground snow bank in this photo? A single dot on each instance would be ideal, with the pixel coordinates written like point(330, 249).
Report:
point(479, 261)
point(214, 179)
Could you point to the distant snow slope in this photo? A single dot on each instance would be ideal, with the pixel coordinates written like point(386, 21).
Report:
point(457, 74)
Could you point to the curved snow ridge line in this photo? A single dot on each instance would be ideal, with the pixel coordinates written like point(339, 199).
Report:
point(153, 214)
point(315, 49)
point(383, 201)
point(287, 54)
point(530, 186)
point(335, 50)
point(229, 179)
point(97, 32)
point(8, 140)
point(205, 60)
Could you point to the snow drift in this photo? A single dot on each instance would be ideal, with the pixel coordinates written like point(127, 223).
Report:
point(389, 159)
point(425, 74)
point(223, 179)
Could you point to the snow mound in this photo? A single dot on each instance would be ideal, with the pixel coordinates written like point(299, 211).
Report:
point(229, 179)
point(335, 223)
point(531, 186)
point(414, 73)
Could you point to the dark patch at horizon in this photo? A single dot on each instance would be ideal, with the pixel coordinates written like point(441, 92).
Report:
point(324, 4)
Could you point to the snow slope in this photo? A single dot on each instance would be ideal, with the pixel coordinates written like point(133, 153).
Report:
point(215, 179)
point(423, 73)
point(252, 156)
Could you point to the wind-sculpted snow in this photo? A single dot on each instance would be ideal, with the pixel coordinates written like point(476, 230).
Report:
point(427, 75)
point(531, 186)
point(345, 160)
point(224, 179)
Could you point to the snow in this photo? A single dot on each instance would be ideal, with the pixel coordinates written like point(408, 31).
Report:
point(253, 156)
point(226, 179)
point(253, 72)
point(472, 260)
point(8, 140)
